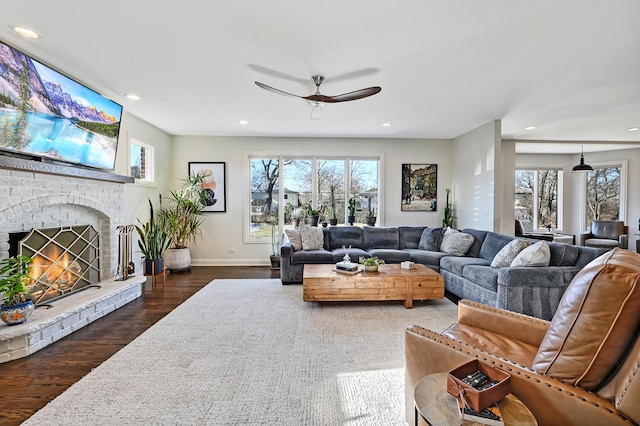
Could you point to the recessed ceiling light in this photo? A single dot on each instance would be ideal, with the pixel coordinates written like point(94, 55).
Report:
point(25, 32)
point(387, 124)
point(634, 129)
point(530, 127)
point(243, 122)
point(132, 97)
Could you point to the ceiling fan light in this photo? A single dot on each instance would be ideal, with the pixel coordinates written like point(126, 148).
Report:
point(316, 110)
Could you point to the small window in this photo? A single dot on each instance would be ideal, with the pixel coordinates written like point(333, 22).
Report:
point(141, 161)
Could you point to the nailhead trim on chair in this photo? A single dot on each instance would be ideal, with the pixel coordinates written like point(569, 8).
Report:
point(460, 347)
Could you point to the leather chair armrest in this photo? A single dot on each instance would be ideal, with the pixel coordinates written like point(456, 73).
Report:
point(623, 240)
point(583, 237)
point(510, 324)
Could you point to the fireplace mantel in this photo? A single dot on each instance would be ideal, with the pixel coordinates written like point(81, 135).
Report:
point(12, 163)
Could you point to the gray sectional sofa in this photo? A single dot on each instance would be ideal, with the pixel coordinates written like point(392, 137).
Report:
point(534, 291)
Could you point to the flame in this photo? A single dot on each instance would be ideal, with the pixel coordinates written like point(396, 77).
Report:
point(54, 267)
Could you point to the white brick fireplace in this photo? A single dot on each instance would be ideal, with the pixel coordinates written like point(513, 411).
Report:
point(34, 195)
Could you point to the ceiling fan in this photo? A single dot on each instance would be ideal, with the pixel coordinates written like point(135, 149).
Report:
point(318, 99)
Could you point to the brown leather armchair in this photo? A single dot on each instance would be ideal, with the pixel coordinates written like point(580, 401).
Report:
point(581, 368)
point(606, 234)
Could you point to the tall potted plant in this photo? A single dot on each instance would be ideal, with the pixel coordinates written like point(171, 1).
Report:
point(182, 218)
point(154, 240)
point(15, 286)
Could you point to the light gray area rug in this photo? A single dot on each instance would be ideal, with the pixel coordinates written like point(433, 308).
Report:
point(250, 352)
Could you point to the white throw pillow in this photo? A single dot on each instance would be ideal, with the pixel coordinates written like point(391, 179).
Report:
point(509, 252)
point(294, 238)
point(312, 237)
point(456, 243)
point(537, 254)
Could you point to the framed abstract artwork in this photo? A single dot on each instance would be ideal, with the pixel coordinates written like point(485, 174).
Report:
point(419, 187)
point(214, 185)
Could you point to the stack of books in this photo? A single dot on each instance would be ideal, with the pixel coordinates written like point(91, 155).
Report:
point(489, 416)
point(347, 266)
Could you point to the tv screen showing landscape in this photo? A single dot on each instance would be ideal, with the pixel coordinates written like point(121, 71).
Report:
point(46, 114)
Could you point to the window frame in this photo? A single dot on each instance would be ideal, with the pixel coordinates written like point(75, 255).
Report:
point(560, 196)
point(249, 156)
point(149, 180)
point(623, 189)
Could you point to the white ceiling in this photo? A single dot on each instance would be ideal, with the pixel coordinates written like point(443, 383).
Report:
point(569, 67)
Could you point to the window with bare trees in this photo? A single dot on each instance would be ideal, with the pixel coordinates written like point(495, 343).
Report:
point(325, 184)
point(537, 197)
point(603, 194)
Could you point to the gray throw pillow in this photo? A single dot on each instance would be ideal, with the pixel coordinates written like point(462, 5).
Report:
point(431, 239)
point(456, 243)
point(509, 252)
point(312, 237)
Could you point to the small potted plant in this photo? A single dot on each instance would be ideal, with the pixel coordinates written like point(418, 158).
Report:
point(371, 264)
point(313, 215)
point(352, 211)
point(15, 287)
point(371, 213)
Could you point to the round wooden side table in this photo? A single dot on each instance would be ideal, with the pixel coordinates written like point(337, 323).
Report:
point(437, 407)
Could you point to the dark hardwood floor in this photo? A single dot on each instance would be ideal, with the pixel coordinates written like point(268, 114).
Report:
point(28, 384)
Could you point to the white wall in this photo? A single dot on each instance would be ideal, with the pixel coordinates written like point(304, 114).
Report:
point(136, 195)
point(475, 159)
point(224, 231)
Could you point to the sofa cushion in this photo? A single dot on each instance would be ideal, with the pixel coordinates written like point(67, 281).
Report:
point(390, 255)
point(426, 257)
point(563, 254)
point(410, 236)
point(455, 242)
point(339, 236)
point(384, 238)
point(354, 253)
point(479, 237)
point(457, 264)
point(509, 252)
point(294, 237)
point(492, 244)
point(431, 239)
point(601, 242)
point(312, 237)
point(598, 315)
point(537, 254)
point(482, 275)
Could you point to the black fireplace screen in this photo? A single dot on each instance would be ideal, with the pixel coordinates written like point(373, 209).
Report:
point(66, 260)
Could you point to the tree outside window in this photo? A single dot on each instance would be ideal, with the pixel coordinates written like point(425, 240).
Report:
point(603, 194)
point(536, 198)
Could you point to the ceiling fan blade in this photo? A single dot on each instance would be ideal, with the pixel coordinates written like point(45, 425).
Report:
point(278, 91)
point(351, 96)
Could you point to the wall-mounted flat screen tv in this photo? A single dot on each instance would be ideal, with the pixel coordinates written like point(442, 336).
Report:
point(48, 115)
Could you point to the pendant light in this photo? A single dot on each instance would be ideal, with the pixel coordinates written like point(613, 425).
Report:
point(582, 168)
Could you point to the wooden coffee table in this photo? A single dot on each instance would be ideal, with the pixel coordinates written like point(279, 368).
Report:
point(320, 283)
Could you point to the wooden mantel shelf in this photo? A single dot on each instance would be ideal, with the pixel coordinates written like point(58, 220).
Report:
point(12, 163)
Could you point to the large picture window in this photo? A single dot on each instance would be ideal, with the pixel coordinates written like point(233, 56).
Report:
point(538, 198)
point(325, 184)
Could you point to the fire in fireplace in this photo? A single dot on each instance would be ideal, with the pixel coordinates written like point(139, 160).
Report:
point(66, 260)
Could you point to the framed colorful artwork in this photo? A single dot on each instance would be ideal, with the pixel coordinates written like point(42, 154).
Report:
point(419, 187)
point(214, 185)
